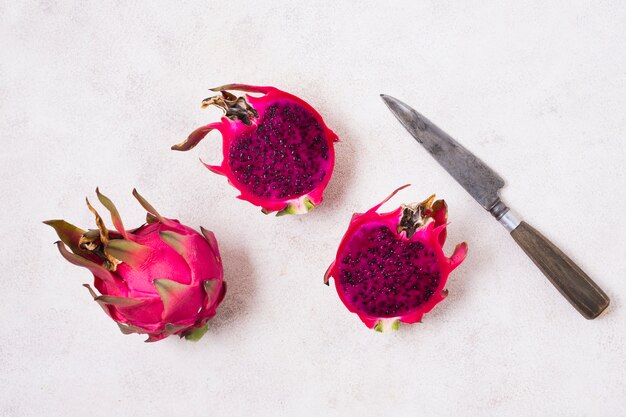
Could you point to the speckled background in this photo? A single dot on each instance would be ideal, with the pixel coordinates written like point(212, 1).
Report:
point(94, 93)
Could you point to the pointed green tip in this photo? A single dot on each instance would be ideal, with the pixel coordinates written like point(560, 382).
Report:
point(384, 325)
point(146, 205)
point(129, 252)
point(287, 210)
point(308, 204)
point(302, 206)
point(69, 234)
point(176, 241)
point(115, 215)
point(119, 301)
point(54, 224)
point(197, 333)
point(106, 201)
point(137, 195)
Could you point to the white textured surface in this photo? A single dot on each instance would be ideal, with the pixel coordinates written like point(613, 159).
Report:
point(95, 95)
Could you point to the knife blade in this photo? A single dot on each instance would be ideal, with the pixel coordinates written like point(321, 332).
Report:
point(484, 185)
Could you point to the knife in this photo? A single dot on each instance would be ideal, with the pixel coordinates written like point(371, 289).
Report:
point(484, 185)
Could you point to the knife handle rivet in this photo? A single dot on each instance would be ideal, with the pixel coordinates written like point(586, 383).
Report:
point(498, 210)
point(507, 217)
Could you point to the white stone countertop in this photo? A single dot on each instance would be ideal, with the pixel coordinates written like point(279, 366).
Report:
point(94, 93)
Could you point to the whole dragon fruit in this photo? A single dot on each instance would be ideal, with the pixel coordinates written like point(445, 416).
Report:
point(159, 279)
point(278, 152)
point(390, 267)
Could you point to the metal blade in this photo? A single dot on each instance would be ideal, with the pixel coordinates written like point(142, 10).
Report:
point(477, 178)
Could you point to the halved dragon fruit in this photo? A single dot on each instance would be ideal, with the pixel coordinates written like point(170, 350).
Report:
point(390, 267)
point(278, 152)
point(160, 279)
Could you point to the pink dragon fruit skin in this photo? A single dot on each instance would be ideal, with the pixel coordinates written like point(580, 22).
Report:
point(390, 267)
point(160, 279)
point(278, 152)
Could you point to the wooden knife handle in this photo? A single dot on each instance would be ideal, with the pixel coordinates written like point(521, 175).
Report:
point(563, 273)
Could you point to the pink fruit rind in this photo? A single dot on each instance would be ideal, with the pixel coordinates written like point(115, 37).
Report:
point(432, 234)
point(232, 130)
point(159, 279)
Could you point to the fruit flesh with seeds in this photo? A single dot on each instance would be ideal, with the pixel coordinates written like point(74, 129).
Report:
point(390, 267)
point(277, 150)
point(159, 279)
